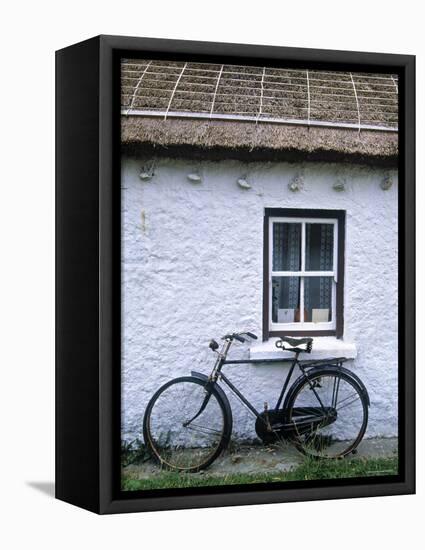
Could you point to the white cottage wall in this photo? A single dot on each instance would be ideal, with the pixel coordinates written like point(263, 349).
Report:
point(192, 269)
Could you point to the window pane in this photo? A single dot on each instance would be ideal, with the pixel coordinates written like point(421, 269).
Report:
point(318, 299)
point(286, 246)
point(286, 299)
point(319, 246)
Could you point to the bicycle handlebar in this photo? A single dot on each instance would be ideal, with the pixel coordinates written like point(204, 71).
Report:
point(213, 345)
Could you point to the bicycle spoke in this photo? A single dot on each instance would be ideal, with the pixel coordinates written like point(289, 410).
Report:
point(203, 429)
point(356, 398)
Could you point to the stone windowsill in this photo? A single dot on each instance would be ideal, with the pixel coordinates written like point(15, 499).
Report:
point(324, 347)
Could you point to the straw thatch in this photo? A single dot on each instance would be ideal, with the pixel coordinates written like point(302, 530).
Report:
point(244, 140)
point(184, 92)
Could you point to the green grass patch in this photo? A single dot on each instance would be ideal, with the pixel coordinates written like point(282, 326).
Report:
point(306, 471)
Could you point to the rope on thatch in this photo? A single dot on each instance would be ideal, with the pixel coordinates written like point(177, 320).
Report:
point(357, 100)
point(137, 87)
point(174, 91)
point(215, 91)
point(308, 98)
point(261, 96)
point(395, 84)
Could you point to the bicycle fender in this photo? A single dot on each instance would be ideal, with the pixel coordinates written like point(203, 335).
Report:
point(358, 380)
point(220, 392)
point(334, 368)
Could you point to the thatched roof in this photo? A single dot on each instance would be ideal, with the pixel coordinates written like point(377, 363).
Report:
point(177, 106)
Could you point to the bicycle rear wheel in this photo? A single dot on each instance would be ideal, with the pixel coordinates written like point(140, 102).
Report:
point(329, 412)
point(187, 424)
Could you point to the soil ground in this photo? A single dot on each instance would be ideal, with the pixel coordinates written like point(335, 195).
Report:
point(254, 459)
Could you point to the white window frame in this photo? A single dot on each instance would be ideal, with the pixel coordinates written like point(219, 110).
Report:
point(303, 325)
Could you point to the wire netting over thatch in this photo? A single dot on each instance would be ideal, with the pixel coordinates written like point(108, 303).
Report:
point(176, 103)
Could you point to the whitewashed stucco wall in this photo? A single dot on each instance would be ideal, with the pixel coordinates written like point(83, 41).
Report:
point(192, 270)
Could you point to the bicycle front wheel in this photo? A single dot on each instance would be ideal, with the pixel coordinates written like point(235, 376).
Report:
point(187, 424)
point(329, 414)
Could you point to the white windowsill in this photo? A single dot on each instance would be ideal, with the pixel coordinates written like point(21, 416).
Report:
point(324, 347)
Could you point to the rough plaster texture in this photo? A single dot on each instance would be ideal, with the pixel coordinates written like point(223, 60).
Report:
point(192, 270)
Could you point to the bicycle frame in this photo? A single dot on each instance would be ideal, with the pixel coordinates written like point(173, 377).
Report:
point(222, 360)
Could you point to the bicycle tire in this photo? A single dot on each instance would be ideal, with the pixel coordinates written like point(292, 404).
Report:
point(305, 381)
point(225, 434)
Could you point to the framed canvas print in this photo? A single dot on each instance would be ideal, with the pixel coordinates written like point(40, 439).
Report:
point(235, 274)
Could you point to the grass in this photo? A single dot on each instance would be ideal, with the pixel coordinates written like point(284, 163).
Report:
point(308, 470)
point(133, 452)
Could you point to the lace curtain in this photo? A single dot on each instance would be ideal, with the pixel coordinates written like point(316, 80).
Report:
point(287, 257)
point(319, 257)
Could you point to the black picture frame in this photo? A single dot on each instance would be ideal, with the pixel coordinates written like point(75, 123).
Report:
point(88, 275)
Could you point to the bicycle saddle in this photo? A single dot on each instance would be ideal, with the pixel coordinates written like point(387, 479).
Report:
point(295, 342)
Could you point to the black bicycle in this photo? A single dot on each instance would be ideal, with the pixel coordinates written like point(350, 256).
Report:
point(188, 421)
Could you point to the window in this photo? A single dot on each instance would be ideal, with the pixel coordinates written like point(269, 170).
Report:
point(303, 272)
